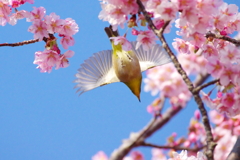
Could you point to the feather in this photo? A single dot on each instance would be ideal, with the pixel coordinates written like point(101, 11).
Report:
point(156, 56)
point(98, 70)
point(95, 71)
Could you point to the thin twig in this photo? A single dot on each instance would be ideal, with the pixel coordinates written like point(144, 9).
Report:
point(210, 143)
point(145, 144)
point(197, 89)
point(212, 35)
point(19, 43)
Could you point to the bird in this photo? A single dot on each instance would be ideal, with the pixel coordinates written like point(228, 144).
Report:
point(118, 65)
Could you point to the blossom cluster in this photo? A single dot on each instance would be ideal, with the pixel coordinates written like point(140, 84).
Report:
point(222, 57)
point(217, 17)
point(43, 27)
point(223, 64)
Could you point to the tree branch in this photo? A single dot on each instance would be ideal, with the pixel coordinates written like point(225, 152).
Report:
point(19, 43)
point(210, 143)
point(196, 149)
point(212, 35)
point(206, 85)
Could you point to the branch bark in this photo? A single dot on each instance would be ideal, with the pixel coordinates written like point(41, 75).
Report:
point(212, 35)
point(206, 85)
point(19, 43)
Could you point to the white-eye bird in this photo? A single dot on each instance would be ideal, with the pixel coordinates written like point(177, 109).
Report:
point(118, 65)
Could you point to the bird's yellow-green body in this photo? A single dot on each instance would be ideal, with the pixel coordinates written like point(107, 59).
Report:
point(118, 65)
point(127, 68)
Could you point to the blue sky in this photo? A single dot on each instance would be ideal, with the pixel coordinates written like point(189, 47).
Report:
point(41, 116)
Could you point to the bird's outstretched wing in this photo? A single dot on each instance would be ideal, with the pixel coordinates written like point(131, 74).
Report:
point(156, 56)
point(95, 71)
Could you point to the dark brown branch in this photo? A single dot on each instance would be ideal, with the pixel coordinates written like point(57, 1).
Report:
point(176, 148)
point(19, 43)
point(210, 143)
point(206, 85)
point(212, 35)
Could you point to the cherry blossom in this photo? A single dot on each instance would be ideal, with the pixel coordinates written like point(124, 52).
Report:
point(154, 107)
point(158, 22)
point(215, 68)
point(224, 146)
point(115, 15)
point(100, 156)
point(54, 23)
point(18, 15)
point(189, 15)
point(5, 10)
point(228, 75)
point(181, 46)
point(158, 154)
point(67, 41)
point(46, 60)
point(216, 117)
point(151, 85)
point(146, 39)
point(184, 156)
point(17, 3)
point(37, 14)
point(151, 5)
point(63, 61)
point(39, 28)
point(166, 10)
point(184, 4)
point(69, 27)
point(210, 51)
point(230, 55)
point(137, 155)
point(134, 32)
